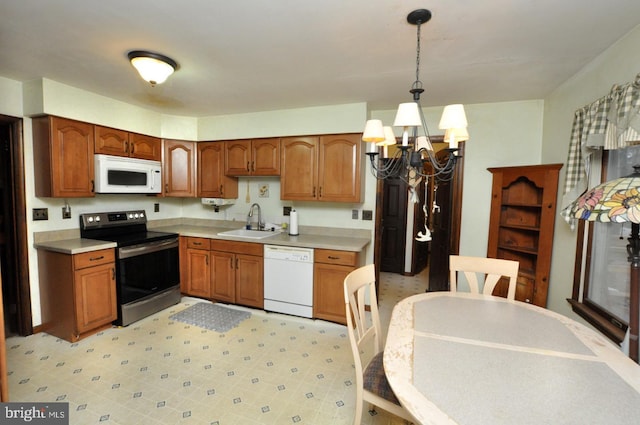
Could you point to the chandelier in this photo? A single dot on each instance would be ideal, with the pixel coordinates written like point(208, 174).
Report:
point(414, 157)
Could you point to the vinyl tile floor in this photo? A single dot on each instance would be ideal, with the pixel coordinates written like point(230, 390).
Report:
point(270, 369)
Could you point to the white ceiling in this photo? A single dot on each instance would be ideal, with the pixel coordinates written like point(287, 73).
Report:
point(255, 55)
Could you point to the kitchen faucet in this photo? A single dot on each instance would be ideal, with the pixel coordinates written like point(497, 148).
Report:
point(260, 223)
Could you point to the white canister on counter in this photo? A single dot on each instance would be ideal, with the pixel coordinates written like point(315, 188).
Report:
point(293, 223)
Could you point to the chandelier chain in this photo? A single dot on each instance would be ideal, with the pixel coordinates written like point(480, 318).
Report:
point(418, 84)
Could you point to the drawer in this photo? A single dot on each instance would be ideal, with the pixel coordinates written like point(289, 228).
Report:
point(331, 256)
point(198, 243)
point(94, 258)
point(248, 248)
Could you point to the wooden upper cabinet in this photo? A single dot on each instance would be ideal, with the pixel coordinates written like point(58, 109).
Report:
point(299, 173)
point(145, 147)
point(212, 182)
point(258, 157)
point(178, 168)
point(63, 154)
point(111, 141)
point(324, 168)
point(339, 168)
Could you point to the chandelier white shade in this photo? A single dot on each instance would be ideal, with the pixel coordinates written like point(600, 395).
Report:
point(453, 116)
point(152, 67)
point(408, 115)
point(415, 150)
point(373, 132)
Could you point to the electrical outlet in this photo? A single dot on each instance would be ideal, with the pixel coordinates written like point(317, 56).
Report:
point(40, 214)
point(156, 207)
point(66, 212)
point(286, 211)
point(367, 215)
point(354, 214)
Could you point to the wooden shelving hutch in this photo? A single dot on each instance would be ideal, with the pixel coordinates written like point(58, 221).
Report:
point(523, 210)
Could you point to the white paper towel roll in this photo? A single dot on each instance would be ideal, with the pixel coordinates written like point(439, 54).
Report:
point(293, 223)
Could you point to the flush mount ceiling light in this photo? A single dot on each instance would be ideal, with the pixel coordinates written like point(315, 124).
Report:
point(414, 157)
point(152, 67)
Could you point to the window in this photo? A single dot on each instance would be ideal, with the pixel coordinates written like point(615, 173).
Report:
point(601, 280)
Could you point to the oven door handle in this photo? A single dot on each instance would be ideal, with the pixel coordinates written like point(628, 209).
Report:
point(146, 248)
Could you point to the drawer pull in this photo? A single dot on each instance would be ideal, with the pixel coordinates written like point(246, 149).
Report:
point(331, 257)
point(96, 258)
point(197, 243)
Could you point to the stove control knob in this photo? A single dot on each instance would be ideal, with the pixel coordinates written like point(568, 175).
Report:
point(141, 215)
point(97, 218)
point(90, 219)
point(135, 216)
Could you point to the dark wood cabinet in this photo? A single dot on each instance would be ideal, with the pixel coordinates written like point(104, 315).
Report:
point(523, 210)
point(212, 182)
point(63, 156)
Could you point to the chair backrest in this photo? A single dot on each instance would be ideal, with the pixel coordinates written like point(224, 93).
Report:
point(364, 331)
point(492, 268)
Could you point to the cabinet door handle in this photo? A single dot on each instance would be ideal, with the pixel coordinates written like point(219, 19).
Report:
point(126, 147)
point(320, 192)
point(314, 191)
point(206, 260)
point(253, 166)
point(96, 258)
point(113, 273)
point(221, 191)
point(248, 169)
point(236, 263)
point(133, 148)
point(93, 186)
point(166, 188)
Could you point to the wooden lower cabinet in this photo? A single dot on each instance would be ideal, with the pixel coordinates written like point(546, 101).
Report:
point(195, 272)
point(78, 292)
point(238, 272)
point(225, 271)
point(329, 270)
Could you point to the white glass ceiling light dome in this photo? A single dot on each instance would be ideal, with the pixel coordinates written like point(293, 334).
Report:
point(152, 67)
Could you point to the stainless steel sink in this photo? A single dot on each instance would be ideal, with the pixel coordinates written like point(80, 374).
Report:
point(250, 234)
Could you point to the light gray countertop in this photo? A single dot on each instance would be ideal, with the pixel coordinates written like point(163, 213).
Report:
point(323, 241)
point(310, 237)
point(75, 246)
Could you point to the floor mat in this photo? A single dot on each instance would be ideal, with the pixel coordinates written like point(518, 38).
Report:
point(214, 317)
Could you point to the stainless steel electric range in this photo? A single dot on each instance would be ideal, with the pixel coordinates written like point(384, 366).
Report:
point(147, 262)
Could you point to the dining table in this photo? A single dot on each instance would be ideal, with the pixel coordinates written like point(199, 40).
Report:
point(463, 358)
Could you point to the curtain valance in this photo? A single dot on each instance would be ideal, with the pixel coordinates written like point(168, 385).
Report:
point(611, 122)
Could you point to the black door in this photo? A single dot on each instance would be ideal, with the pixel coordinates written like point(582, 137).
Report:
point(394, 226)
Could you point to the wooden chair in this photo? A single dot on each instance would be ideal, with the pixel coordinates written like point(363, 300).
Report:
point(492, 268)
point(364, 335)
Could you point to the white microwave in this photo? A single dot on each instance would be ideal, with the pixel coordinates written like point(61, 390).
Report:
point(116, 174)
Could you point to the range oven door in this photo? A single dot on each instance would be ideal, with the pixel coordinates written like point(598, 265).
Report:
point(146, 269)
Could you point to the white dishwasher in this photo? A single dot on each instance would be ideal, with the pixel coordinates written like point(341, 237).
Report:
point(288, 280)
